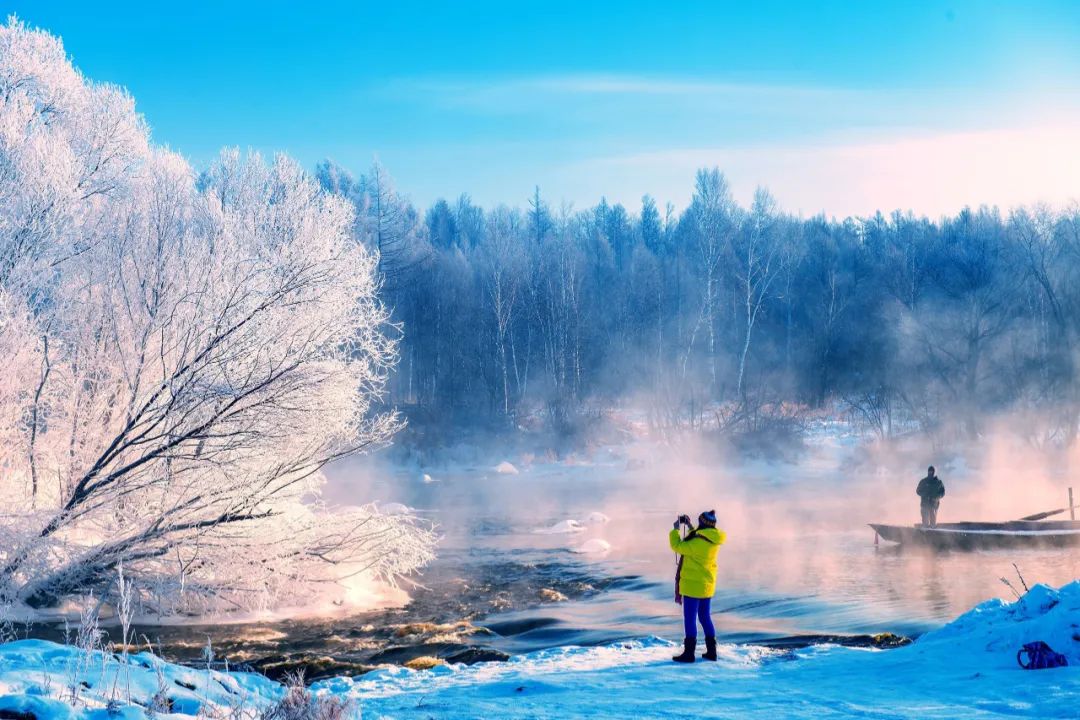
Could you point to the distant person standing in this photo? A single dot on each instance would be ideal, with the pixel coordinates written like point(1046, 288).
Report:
point(931, 490)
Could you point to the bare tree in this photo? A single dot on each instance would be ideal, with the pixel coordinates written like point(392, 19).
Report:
point(971, 275)
point(389, 225)
point(713, 220)
point(502, 282)
point(758, 263)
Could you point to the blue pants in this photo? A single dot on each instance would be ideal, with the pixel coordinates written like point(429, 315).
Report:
point(694, 609)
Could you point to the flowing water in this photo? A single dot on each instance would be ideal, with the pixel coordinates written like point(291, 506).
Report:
point(798, 562)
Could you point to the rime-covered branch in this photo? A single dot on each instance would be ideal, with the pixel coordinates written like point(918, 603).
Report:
point(183, 354)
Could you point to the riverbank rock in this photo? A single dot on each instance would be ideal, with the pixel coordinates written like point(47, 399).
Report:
point(424, 662)
point(562, 528)
point(592, 546)
point(473, 655)
point(313, 667)
point(446, 652)
point(439, 632)
point(552, 595)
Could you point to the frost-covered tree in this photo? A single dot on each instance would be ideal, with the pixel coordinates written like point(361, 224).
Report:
point(502, 271)
point(182, 358)
point(712, 220)
point(757, 266)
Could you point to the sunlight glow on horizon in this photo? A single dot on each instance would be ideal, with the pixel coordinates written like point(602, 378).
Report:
point(928, 174)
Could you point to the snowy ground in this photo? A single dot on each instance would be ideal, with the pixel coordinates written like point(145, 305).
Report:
point(40, 679)
point(966, 669)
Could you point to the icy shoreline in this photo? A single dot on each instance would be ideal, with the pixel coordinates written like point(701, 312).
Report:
point(965, 669)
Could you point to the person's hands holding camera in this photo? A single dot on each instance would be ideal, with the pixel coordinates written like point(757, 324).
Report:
point(682, 520)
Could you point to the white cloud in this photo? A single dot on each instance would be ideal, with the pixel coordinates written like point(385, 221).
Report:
point(499, 94)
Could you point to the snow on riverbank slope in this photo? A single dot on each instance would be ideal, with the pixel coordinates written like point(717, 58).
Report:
point(62, 682)
point(966, 669)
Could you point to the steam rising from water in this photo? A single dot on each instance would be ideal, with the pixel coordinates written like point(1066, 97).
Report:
point(795, 530)
point(799, 557)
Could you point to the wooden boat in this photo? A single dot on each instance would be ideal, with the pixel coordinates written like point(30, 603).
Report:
point(984, 535)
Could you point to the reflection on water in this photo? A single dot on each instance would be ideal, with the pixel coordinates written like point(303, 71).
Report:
point(501, 587)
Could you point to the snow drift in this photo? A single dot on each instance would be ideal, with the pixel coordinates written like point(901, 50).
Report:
point(964, 669)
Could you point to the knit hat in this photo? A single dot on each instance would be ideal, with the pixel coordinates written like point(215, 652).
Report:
point(709, 516)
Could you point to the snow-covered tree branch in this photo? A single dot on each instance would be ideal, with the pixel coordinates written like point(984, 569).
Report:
point(182, 357)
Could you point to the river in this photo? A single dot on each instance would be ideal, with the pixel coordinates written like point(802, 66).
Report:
point(799, 560)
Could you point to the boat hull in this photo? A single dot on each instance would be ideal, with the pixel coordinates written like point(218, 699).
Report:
point(974, 535)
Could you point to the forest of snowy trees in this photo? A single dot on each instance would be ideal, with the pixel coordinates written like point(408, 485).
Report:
point(724, 315)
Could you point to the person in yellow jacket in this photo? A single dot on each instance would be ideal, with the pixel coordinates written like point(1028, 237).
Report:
point(695, 580)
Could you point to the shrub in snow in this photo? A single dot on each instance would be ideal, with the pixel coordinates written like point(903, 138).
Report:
point(181, 356)
point(299, 703)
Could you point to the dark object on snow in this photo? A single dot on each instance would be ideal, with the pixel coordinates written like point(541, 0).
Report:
point(1039, 657)
point(984, 535)
point(6, 714)
point(881, 641)
point(710, 649)
point(687, 656)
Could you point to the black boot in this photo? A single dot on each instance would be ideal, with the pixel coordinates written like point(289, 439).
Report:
point(688, 651)
point(710, 649)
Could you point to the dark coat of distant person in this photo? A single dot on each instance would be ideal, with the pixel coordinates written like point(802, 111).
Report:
point(931, 490)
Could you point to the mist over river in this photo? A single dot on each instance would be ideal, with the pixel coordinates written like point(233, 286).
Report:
point(510, 578)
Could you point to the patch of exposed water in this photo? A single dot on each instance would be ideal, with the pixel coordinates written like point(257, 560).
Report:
point(507, 579)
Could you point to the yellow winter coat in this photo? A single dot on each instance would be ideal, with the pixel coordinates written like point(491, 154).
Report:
point(698, 576)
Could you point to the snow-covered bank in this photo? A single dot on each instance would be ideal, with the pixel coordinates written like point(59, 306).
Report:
point(966, 669)
point(40, 679)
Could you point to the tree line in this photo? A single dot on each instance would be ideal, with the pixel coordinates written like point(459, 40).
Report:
point(726, 317)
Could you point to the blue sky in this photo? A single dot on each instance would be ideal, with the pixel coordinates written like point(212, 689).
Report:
point(841, 107)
